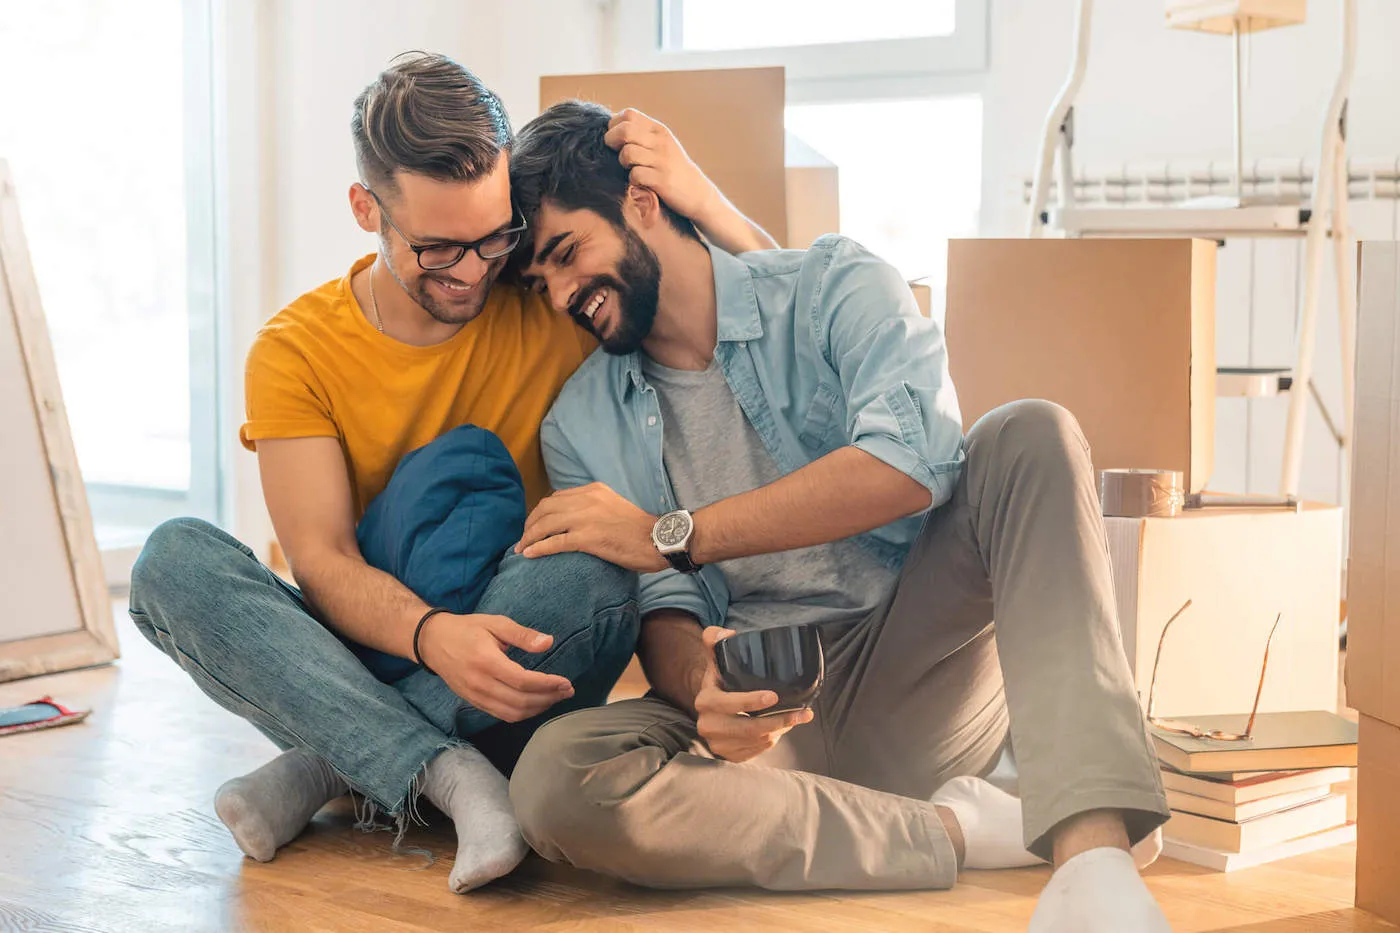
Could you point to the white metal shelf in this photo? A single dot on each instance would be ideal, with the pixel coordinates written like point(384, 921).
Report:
point(1251, 381)
point(1324, 219)
point(1213, 223)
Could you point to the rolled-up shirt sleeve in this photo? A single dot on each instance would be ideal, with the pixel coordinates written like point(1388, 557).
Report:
point(671, 589)
point(892, 363)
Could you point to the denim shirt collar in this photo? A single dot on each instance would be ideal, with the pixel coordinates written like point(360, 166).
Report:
point(736, 305)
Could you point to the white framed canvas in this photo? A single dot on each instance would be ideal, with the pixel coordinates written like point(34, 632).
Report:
point(55, 612)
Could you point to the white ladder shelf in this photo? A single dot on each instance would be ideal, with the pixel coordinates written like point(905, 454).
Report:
point(1237, 216)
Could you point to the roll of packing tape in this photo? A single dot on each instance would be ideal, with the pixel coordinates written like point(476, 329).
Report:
point(1141, 493)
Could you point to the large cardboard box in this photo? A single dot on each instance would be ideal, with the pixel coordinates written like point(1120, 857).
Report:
point(780, 182)
point(740, 148)
point(1240, 569)
point(1373, 580)
point(1120, 332)
point(1378, 819)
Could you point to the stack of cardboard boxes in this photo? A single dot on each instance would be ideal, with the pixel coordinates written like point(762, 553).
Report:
point(1373, 585)
point(1122, 333)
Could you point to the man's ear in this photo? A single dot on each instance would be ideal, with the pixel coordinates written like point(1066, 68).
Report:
point(643, 205)
point(365, 208)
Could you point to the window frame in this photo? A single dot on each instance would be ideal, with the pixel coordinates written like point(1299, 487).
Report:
point(876, 69)
point(118, 505)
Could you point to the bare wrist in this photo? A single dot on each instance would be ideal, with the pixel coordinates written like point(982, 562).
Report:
point(700, 527)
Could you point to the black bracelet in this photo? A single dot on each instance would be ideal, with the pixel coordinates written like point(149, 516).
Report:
point(418, 658)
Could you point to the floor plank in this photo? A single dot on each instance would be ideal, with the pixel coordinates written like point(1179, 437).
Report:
point(108, 826)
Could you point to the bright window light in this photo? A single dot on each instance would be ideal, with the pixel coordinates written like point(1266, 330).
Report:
point(92, 97)
point(910, 174)
point(753, 24)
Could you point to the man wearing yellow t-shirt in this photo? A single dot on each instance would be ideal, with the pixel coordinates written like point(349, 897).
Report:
point(413, 342)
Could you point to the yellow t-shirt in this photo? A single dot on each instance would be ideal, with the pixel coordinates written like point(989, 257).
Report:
point(320, 369)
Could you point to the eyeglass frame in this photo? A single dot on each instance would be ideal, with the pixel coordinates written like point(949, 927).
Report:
point(466, 247)
point(1185, 728)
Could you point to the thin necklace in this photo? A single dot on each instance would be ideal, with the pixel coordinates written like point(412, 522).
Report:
point(374, 302)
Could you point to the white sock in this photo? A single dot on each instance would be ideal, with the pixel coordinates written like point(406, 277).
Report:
point(1098, 891)
point(269, 807)
point(990, 820)
point(1147, 850)
point(463, 784)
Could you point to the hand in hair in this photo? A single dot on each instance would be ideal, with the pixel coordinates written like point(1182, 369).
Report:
point(656, 160)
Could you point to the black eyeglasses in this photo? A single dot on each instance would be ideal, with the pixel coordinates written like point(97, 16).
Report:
point(438, 256)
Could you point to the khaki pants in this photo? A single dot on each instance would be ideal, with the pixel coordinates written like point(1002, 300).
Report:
point(920, 692)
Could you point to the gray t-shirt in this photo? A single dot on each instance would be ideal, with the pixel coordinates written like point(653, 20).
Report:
point(711, 452)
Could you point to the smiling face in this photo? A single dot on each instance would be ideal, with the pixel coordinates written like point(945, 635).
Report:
point(421, 211)
point(601, 275)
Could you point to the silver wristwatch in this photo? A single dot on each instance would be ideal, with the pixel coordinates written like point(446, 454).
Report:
point(671, 535)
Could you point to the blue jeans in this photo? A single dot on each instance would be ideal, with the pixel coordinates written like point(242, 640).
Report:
point(248, 641)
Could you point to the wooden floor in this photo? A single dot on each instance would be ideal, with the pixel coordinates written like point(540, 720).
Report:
point(108, 826)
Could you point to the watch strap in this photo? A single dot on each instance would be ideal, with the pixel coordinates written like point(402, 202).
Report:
point(680, 560)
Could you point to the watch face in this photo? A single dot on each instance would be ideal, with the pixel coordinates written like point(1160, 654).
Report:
point(672, 529)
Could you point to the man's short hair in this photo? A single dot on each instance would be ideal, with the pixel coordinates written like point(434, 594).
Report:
point(560, 156)
point(427, 115)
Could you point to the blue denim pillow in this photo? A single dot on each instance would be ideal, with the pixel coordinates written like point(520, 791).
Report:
point(442, 524)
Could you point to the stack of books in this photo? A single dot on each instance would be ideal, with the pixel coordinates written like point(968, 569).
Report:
point(1241, 803)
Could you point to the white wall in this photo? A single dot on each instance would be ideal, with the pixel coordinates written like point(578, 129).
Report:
point(326, 51)
point(1153, 94)
point(295, 69)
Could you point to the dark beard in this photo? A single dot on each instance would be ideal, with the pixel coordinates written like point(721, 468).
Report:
point(637, 287)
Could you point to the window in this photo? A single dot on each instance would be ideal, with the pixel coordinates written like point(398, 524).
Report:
point(749, 24)
point(888, 90)
point(107, 132)
point(818, 42)
point(910, 174)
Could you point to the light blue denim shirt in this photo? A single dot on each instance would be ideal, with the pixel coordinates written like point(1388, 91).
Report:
point(823, 348)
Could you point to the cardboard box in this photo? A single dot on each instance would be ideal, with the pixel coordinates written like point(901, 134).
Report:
point(1373, 580)
point(1378, 819)
point(813, 194)
point(1240, 569)
point(740, 148)
point(779, 181)
point(1120, 332)
point(1373, 577)
point(923, 297)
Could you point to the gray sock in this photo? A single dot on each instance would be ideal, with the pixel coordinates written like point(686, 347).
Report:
point(270, 807)
point(463, 784)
